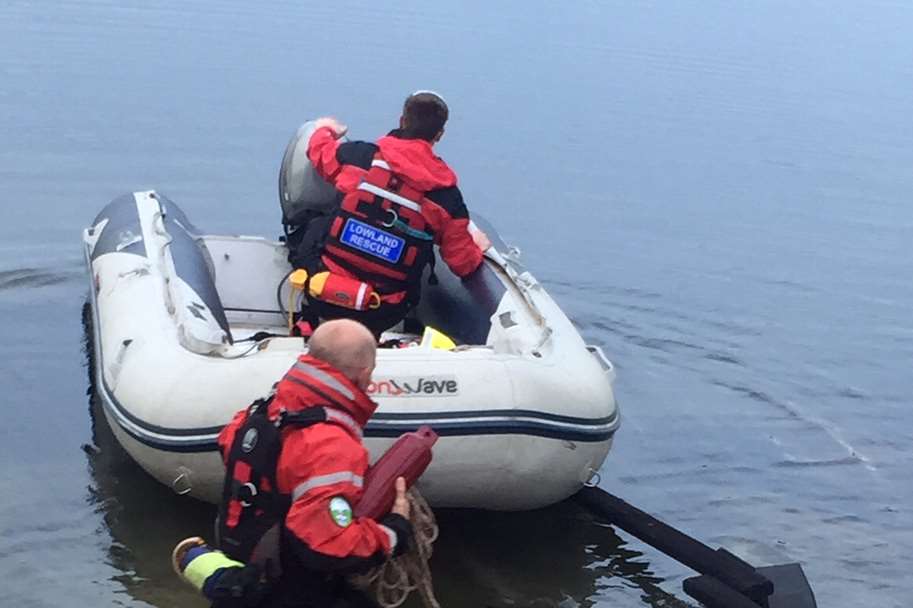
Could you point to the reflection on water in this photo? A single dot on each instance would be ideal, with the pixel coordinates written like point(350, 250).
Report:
point(557, 556)
point(554, 557)
point(23, 278)
point(144, 519)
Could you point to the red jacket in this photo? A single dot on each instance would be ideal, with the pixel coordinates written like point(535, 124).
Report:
point(322, 464)
point(413, 162)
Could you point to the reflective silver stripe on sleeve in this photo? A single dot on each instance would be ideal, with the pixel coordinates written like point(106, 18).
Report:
point(326, 480)
point(392, 535)
point(324, 378)
point(380, 163)
point(390, 196)
point(344, 419)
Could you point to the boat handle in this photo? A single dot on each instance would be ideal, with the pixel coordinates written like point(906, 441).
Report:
point(603, 360)
point(523, 282)
point(182, 484)
point(594, 479)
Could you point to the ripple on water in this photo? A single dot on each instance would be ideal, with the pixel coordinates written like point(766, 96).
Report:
point(31, 278)
point(686, 349)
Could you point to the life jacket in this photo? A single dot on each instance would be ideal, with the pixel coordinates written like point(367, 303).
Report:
point(380, 236)
point(252, 507)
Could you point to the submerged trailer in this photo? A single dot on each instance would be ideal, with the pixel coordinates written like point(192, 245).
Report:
point(725, 580)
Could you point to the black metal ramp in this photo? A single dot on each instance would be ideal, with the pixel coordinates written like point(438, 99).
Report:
point(726, 580)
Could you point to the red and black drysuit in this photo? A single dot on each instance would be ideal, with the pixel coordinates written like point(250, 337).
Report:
point(372, 177)
point(282, 491)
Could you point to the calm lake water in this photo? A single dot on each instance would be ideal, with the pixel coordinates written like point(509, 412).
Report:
point(718, 193)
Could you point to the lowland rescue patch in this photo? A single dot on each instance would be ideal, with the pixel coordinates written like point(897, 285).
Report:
point(373, 241)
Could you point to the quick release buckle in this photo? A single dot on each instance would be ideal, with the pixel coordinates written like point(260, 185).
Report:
point(246, 494)
point(280, 419)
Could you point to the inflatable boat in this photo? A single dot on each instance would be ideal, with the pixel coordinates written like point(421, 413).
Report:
point(188, 328)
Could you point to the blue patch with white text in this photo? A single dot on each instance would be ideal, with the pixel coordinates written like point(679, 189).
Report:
point(373, 241)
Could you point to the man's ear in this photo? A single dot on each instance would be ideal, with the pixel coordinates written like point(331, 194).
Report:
point(438, 137)
point(364, 378)
point(402, 122)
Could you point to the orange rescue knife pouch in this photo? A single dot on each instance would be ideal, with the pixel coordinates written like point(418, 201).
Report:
point(337, 289)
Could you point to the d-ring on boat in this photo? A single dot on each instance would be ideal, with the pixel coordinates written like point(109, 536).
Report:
point(188, 328)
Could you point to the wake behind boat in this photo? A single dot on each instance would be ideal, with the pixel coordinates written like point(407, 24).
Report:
point(188, 328)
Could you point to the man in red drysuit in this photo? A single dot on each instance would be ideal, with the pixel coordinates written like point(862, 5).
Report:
point(295, 466)
point(399, 199)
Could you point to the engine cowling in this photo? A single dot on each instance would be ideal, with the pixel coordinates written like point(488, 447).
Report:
point(302, 192)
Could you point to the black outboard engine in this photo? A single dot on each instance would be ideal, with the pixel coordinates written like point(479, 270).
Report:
point(307, 200)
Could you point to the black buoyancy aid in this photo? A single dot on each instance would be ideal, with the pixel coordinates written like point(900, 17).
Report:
point(379, 233)
point(252, 507)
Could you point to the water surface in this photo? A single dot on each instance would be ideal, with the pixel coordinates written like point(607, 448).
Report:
point(716, 193)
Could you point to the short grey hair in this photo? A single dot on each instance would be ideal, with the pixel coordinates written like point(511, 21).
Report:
point(345, 344)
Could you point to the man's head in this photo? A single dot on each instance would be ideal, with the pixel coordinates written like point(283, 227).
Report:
point(348, 346)
point(424, 116)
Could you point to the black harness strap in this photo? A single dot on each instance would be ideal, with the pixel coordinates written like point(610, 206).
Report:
point(251, 502)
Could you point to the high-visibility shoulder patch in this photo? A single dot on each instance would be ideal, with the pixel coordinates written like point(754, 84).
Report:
point(341, 511)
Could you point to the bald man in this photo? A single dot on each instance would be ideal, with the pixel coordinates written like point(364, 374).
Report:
point(295, 465)
point(348, 346)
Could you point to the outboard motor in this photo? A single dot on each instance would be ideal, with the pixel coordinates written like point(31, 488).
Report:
point(303, 194)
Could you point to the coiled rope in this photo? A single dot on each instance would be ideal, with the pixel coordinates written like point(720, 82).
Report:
point(392, 582)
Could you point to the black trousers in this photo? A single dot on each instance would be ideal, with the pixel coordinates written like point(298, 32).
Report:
point(305, 242)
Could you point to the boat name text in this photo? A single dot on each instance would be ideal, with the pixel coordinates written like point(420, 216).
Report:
point(415, 386)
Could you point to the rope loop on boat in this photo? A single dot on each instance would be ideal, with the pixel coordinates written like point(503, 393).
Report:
point(594, 479)
point(392, 582)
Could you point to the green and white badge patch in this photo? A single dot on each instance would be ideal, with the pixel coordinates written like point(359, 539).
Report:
point(340, 511)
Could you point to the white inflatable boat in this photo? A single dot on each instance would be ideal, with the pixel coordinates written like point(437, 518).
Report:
point(188, 328)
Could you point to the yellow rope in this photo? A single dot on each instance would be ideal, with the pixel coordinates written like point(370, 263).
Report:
point(392, 582)
point(291, 308)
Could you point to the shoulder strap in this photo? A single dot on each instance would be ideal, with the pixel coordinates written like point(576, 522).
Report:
point(303, 418)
